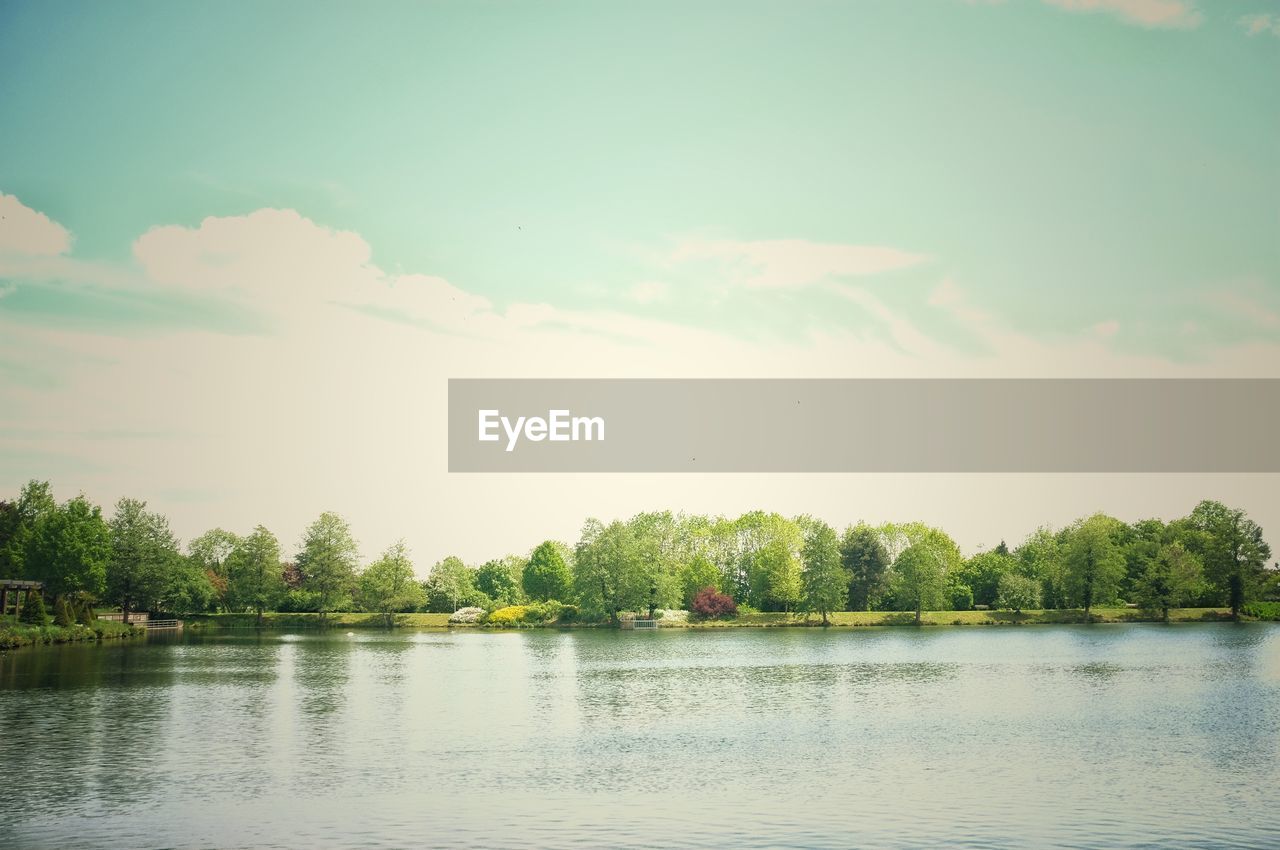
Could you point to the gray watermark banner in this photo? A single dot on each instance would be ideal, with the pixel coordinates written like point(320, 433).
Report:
point(864, 425)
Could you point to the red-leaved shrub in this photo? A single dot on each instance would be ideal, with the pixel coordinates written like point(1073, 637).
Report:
point(711, 604)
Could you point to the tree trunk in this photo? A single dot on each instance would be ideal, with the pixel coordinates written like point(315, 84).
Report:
point(124, 612)
point(825, 621)
point(919, 620)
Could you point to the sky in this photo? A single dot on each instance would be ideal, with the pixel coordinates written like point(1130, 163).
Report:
point(243, 246)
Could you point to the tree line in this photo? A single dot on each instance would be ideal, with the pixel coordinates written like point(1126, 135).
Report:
point(1215, 556)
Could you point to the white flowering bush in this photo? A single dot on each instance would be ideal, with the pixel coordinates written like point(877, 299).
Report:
point(466, 615)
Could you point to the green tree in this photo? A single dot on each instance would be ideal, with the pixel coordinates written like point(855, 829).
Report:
point(547, 575)
point(33, 612)
point(144, 557)
point(450, 586)
point(826, 582)
point(865, 558)
point(18, 520)
point(1094, 562)
point(1171, 578)
point(500, 580)
point(982, 574)
point(1041, 557)
point(918, 578)
point(255, 577)
point(388, 584)
point(327, 562)
point(696, 575)
point(210, 552)
point(1016, 592)
point(1231, 547)
point(69, 548)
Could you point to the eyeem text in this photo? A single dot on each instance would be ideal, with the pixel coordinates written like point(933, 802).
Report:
point(559, 426)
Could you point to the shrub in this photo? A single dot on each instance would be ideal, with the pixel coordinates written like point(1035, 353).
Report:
point(711, 604)
point(543, 612)
point(85, 615)
point(1016, 592)
point(62, 613)
point(1263, 610)
point(466, 615)
point(33, 612)
point(961, 598)
point(568, 613)
point(512, 615)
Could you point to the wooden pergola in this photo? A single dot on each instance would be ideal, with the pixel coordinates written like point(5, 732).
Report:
point(18, 590)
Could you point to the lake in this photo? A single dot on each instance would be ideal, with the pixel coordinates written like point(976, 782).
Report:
point(1045, 736)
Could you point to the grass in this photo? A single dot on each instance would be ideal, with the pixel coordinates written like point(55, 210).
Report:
point(964, 618)
point(281, 620)
point(14, 634)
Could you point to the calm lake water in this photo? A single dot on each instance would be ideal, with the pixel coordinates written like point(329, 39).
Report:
point(1101, 736)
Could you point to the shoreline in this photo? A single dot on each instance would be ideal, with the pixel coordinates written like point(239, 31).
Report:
point(18, 635)
point(841, 620)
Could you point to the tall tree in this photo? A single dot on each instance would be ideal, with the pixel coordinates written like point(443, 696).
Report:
point(547, 575)
point(327, 562)
point(866, 559)
point(1231, 547)
point(500, 579)
point(450, 586)
point(144, 557)
point(982, 574)
point(697, 575)
point(1170, 578)
point(254, 574)
point(68, 548)
point(1094, 562)
point(18, 520)
point(388, 584)
point(919, 579)
point(826, 582)
point(210, 552)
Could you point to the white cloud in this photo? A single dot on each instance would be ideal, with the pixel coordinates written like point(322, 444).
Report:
point(27, 233)
point(784, 263)
point(1172, 14)
point(339, 410)
point(1261, 23)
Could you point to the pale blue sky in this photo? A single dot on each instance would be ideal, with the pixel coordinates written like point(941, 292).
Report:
point(1065, 168)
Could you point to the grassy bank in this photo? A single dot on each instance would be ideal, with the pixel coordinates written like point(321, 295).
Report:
point(14, 634)
point(278, 620)
point(963, 618)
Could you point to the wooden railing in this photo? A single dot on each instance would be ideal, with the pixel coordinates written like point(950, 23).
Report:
point(151, 625)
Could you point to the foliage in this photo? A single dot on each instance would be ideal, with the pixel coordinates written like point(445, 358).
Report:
point(388, 584)
point(1171, 578)
point(466, 615)
point(328, 562)
point(697, 573)
point(825, 580)
point(144, 557)
point(500, 580)
point(255, 580)
point(1231, 548)
point(62, 613)
point(210, 552)
point(547, 574)
point(512, 615)
point(864, 556)
point(1263, 610)
point(33, 612)
point(1094, 563)
point(1017, 592)
point(543, 612)
point(68, 547)
point(711, 604)
point(18, 519)
point(918, 577)
point(960, 596)
point(982, 574)
point(450, 586)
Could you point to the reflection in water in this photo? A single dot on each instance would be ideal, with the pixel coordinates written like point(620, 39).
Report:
point(1123, 736)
